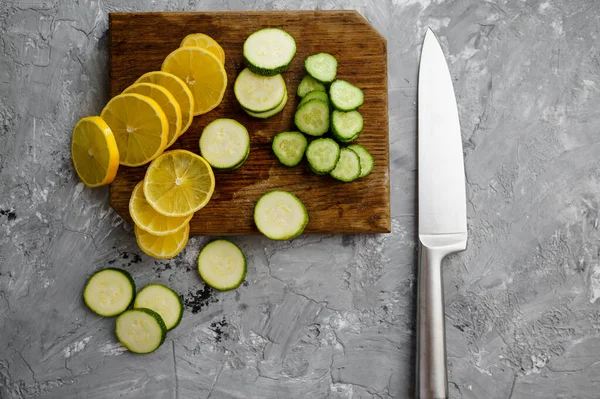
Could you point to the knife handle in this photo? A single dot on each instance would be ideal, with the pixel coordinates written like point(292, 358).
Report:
point(431, 373)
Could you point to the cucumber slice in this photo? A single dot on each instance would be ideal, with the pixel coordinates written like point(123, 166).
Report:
point(222, 265)
point(225, 144)
point(322, 67)
point(346, 126)
point(109, 292)
point(163, 301)
point(289, 147)
point(308, 84)
point(280, 215)
point(322, 155)
point(140, 330)
point(367, 162)
point(312, 118)
point(315, 94)
point(345, 96)
point(273, 112)
point(348, 166)
point(269, 51)
point(259, 93)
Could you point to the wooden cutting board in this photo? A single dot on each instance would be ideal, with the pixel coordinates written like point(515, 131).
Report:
point(139, 42)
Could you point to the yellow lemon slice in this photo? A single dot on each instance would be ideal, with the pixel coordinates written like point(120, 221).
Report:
point(204, 74)
point(147, 219)
point(167, 103)
point(178, 89)
point(139, 125)
point(162, 247)
point(94, 152)
point(178, 183)
point(206, 42)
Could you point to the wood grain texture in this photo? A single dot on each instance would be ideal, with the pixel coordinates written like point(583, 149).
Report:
point(139, 42)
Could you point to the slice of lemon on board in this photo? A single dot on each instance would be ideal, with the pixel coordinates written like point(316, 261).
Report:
point(178, 89)
point(204, 74)
point(139, 125)
point(162, 247)
point(178, 183)
point(147, 219)
point(167, 103)
point(206, 42)
point(94, 152)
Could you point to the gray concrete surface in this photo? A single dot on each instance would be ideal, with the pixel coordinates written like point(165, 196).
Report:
point(522, 303)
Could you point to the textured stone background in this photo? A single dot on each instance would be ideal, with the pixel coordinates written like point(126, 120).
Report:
point(522, 310)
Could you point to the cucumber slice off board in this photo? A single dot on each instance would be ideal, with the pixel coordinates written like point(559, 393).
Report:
point(345, 96)
point(346, 126)
point(312, 118)
point(222, 265)
point(367, 162)
point(322, 67)
point(258, 93)
point(289, 147)
point(280, 215)
point(269, 51)
point(140, 330)
point(109, 292)
point(163, 301)
point(225, 144)
point(308, 84)
point(347, 168)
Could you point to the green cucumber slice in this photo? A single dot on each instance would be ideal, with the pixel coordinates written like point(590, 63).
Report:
point(322, 155)
point(346, 126)
point(345, 96)
point(322, 67)
point(315, 94)
point(273, 112)
point(367, 162)
point(225, 144)
point(163, 301)
point(348, 166)
point(308, 84)
point(259, 93)
point(269, 51)
point(222, 265)
point(280, 215)
point(312, 118)
point(289, 147)
point(140, 330)
point(109, 292)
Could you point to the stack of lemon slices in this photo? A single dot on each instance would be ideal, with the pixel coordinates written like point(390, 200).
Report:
point(138, 125)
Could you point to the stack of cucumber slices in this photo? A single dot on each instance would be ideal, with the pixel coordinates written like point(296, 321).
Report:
point(322, 110)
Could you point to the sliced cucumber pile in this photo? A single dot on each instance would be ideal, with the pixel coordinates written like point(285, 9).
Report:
point(225, 144)
point(140, 330)
point(322, 67)
point(308, 84)
point(163, 301)
point(222, 265)
point(289, 147)
point(323, 155)
point(109, 292)
point(347, 168)
point(280, 215)
point(269, 51)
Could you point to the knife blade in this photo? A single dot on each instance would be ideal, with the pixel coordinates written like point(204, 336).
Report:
point(442, 211)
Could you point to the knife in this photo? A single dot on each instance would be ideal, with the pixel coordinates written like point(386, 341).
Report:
point(442, 212)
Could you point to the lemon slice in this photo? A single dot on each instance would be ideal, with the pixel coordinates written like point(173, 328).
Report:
point(178, 89)
point(139, 125)
point(202, 72)
point(162, 247)
point(147, 219)
point(167, 103)
point(206, 42)
point(178, 183)
point(94, 152)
